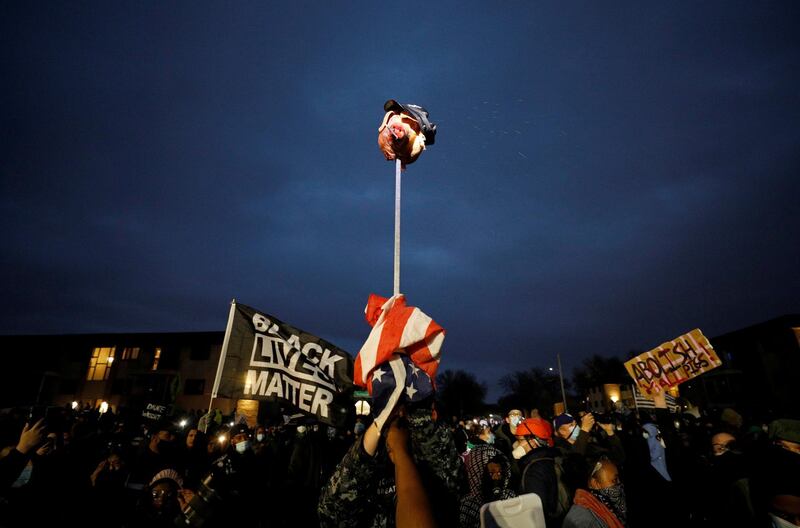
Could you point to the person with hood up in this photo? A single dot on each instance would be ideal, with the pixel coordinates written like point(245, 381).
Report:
point(489, 479)
point(650, 479)
point(775, 485)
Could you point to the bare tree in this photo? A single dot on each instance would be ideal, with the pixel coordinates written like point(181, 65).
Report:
point(460, 393)
point(597, 370)
point(531, 389)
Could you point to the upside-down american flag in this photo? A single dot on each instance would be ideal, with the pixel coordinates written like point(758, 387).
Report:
point(398, 331)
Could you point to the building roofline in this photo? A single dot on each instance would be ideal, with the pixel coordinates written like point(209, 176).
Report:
point(787, 320)
point(118, 334)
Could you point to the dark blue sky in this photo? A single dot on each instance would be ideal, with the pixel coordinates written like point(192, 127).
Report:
point(605, 177)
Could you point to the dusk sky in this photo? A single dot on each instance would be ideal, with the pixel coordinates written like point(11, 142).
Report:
point(605, 177)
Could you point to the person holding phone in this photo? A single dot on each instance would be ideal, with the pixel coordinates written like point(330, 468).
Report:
point(12, 465)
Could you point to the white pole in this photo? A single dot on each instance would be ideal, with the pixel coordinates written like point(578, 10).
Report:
point(561, 378)
point(222, 354)
point(397, 177)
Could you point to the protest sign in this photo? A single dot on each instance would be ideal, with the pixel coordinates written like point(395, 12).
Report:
point(154, 411)
point(266, 359)
point(672, 363)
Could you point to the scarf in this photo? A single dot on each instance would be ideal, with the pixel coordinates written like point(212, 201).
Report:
point(600, 506)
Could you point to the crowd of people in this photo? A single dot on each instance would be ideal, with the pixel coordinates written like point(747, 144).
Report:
point(617, 469)
point(120, 470)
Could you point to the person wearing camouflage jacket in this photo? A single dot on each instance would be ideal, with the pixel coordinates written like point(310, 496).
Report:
point(361, 492)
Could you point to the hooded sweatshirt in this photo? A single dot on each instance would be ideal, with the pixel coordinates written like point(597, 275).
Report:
point(480, 491)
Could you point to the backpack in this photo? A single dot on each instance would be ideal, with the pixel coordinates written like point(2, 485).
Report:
point(564, 495)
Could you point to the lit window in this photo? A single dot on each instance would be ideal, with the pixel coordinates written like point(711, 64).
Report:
point(156, 358)
point(100, 364)
point(130, 353)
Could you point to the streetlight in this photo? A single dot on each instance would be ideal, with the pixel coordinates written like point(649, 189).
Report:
point(561, 379)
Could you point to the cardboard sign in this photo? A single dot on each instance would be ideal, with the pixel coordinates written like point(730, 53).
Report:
point(154, 411)
point(672, 363)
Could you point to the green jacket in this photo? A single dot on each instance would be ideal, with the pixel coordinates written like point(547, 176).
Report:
point(361, 492)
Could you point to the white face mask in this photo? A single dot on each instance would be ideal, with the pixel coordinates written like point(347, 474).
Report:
point(777, 522)
point(243, 446)
point(24, 476)
point(518, 452)
point(260, 437)
point(573, 436)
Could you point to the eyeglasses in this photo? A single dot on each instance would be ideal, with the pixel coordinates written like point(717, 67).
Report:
point(598, 466)
point(160, 494)
point(720, 448)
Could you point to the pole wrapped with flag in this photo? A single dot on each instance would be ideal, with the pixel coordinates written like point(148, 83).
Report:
point(399, 359)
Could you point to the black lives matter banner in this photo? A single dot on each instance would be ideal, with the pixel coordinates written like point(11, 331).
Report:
point(264, 358)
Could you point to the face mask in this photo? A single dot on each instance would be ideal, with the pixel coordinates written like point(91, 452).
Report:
point(166, 448)
point(616, 496)
point(518, 452)
point(574, 434)
point(492, 489)
point(777, 522)
point(657, 450)
point(359, 428)
point(24, 477)
point(243, 446)
point(260, 437)
point(515, 420)
point(490, 440)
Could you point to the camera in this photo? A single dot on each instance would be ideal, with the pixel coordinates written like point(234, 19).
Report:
point(604, 418)
point(202, 507)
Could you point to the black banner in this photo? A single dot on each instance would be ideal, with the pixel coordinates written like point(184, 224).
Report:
point(266, 359)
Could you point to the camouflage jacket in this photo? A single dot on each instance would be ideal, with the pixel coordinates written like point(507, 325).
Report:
point(361, 492)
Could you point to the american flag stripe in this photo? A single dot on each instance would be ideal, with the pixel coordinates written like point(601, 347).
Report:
point(646, 403)
point(398, 328)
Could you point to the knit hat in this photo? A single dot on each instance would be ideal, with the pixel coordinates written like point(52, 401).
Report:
point(731, 417)
point(562, 419)
point(167, 474)
point(785, 429)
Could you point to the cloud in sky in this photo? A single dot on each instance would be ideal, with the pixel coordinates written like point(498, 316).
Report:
point(603, 179)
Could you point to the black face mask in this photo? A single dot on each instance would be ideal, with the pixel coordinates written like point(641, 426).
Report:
point(788, 461)
point(491, 488)
point(167, 448)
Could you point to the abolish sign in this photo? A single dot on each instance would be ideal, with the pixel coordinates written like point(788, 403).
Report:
point(672, 363)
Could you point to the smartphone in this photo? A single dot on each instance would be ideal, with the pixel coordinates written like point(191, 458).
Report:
point(53, 416)
point(36, 413)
